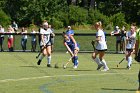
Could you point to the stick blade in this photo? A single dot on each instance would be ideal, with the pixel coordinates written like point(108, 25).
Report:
point(64, 67)
point(56, 66)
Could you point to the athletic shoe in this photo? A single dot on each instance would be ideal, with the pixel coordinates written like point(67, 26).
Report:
point(99, 66)
point(128, 67)
point(106, 69)
point(49, 65)
point(75, 67)
point(39, 61)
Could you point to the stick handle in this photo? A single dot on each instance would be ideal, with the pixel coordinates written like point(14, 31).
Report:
point(93, 44)
point(121, 61)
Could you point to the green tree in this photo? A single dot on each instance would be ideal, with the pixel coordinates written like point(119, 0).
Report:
point(4, 19)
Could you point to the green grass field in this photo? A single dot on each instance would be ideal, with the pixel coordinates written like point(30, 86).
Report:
point(19, 73)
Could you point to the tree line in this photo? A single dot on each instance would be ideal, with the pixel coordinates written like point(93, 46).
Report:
point(61, 13)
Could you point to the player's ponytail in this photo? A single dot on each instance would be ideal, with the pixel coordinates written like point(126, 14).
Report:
point(98, 25)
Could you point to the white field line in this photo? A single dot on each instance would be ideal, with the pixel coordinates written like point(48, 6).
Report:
point(41, 77)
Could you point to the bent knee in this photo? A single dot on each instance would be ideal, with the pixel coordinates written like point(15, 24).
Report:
point(93, 56)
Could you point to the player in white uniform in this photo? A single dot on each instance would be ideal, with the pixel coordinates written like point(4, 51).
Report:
point(130, 45)
point(46, 44)
point(101, 47)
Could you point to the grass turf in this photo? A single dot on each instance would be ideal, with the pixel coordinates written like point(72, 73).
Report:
point(20, 74)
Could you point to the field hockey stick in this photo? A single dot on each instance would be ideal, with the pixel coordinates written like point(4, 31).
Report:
point(93, 44)
point(65, 65)
point(120, 62)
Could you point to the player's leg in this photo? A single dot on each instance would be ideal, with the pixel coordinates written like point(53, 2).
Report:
point(96, 59)
point(49, 55)
point(129, 59)
point(43, 54)
point(75, 58)
point(101, 55)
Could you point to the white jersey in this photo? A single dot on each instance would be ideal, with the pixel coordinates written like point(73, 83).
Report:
point(46, 36)
point(2, 31)
point(33, 37)
point(101, 45)
point(117, 32)
point(10, 36)
point(132, 39)
point(24, 36)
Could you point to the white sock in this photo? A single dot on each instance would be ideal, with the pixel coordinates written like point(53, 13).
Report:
point(97, 60)
point(104, 64)
point(49, 59)
point(41, 57)
point(129, 61)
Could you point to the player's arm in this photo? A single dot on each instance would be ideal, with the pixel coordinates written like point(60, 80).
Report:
point(127, 38)
point(69, 50)
point(42, 39)
point(98, 38)
point(53, 34)
point(74, 41)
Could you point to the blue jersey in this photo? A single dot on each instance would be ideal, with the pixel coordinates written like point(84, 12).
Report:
point(69, 32)
point(71, 44)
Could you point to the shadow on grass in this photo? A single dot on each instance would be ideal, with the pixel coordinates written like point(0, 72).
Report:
point(30, 66)
point(119, 89)
point(119, 68)
point(34, 66)
point(41, 67)
point(80, 70)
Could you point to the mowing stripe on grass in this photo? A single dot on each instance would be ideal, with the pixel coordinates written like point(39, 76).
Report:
point(21, 79)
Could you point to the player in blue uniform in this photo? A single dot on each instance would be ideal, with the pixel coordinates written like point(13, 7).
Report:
point(71, 45)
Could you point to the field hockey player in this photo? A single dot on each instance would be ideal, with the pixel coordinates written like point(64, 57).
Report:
point(71, 45)
point(101, 47)
point(130, 45)
point(46, 44)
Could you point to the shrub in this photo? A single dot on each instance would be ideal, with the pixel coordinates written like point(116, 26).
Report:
point(63, 17)
point(96, 15)
point(56, 23)
point(118, 19)
point(4, 19)
point(77, 15)
point(110, 27)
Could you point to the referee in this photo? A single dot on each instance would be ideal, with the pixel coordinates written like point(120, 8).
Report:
point(137, 52)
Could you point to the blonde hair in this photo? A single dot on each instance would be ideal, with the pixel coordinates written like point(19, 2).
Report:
point(98, 24)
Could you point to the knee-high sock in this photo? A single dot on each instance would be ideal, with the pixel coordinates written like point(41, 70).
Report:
point(41, 57)
point(97, 60)
point(104, 64)
point(49, 59)
point(129, 61)
point(75, 60)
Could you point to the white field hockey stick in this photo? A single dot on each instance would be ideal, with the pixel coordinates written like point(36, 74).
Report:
point(120, 62)
point(65, 65)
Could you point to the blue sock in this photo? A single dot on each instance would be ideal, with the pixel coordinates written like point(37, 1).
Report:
point(75, 60)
